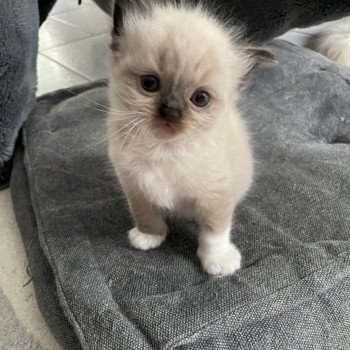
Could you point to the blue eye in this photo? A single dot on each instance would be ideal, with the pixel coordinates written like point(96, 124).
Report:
point(200, 98)
point(150, 83)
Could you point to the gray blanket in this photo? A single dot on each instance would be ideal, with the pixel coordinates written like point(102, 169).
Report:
point(19, 23)
point(267, 19)
point(293, 228)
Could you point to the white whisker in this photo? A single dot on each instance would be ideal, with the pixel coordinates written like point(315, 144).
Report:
point(137, 131)
point(114, 133)
point(124, 115)
point(142, 133)
point(121, 147)
point(145, 132)
point(94, 102)
point(125, 126)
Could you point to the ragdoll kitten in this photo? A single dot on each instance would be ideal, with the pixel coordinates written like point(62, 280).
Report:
point(176, 139)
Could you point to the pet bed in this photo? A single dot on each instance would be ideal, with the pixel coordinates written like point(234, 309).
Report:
point(293, 228)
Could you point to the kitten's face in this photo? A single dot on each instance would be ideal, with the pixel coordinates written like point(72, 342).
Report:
point(176, 70)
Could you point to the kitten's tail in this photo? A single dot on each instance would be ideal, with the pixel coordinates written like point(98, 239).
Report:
point(334, 41)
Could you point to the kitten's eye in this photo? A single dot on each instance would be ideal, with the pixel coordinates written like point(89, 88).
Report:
point(150, 83)
point(200, 98)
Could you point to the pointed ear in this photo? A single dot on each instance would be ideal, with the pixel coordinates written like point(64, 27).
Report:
point(118, 22)
point(258, 56)
point(117, 19)
point(121, 8)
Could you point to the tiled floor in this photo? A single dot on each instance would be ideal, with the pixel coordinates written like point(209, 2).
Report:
point(73, 50)
point(73, 45)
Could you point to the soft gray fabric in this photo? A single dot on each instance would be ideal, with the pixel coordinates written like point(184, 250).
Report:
point(293, 228)
point(265, 20)
point(40, 270)
point(19, 23)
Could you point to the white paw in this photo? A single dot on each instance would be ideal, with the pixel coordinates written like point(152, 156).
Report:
point(220, 263)
point(144, 241)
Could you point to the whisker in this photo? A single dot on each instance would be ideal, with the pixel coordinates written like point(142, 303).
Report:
point(94, 102)
point(127, 134)
point(114, 133)
point(116, 113)
point(125, 115)
point(144, 128)
point(136, 119)
point(119, 130)
point(102, 110)
point(96, 109)
point(144, 133)
point(121, 147)
point(137, 131)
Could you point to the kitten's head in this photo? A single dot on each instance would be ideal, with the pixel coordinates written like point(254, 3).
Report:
point(175, 69)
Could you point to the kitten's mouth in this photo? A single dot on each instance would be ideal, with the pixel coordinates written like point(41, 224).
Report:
point(165, 128)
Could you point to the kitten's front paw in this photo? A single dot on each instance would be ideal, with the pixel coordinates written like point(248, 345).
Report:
point(221, 263)
point(145, 241)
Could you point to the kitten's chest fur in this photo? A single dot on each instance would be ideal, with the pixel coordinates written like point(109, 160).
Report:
point(167, 182)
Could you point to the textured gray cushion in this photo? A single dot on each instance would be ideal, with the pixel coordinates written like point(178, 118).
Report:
point(293, 228)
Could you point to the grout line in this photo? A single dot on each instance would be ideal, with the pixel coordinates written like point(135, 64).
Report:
point(60, 20)
point(82, 75)
point(67, 43)
point(300, 31)
point(74, 41)
point(72, 25)
point(66, 11)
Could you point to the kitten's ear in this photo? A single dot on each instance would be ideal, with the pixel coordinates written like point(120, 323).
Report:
point(118, 16)
point(258, 56)
point(121, 8)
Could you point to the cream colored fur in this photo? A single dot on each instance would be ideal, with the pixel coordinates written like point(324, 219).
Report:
point(206, 167)
point(334, 41)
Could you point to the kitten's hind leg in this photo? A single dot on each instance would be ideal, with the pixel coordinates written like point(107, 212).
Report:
point(218, 255)
point(151, 230)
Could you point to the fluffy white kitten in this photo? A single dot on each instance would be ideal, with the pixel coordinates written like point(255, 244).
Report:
point(334, 41)
point(176, 138)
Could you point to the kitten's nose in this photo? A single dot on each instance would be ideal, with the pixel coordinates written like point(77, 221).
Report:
point(170, 114)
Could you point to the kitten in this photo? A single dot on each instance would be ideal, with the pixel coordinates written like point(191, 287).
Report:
point(333, 41)
point(176, 139)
